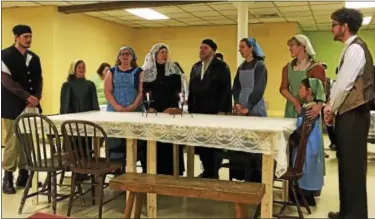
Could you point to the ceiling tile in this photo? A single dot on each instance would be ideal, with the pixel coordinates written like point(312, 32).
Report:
point(195, 8)
point(290, 3)
point(109, 18)
point(293, 9)
point(173, 23)
point(213, 18)
point(222, 22)
point(323, 12)
point(117, 13)
point(96, 14)
point(368, 11)
point(298, 14)
point(135, 25)
point(179, 15)
point(272, 20)
point(323, 19)
point(261, 4)
point(299, 19)
point(154, 25)
point(19, 4)
point(254, 21)
point(228, 12)
point(57, 3)
point(195, 23)
point(192, 19)
point(131, 18)
point(314, 2)
point(263, 11)
point(223, 6)
point(169, 9)
point(144, 22)
point(82, 2)
point(206, 13)
point(332, 7)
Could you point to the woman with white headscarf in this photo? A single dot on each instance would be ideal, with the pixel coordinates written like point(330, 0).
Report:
point(301, 67)
point(162, 85)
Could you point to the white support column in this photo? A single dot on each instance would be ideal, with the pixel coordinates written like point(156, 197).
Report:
point(242, 25)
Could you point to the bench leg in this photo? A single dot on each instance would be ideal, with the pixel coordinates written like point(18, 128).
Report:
point(129, 205)
point(240, 210)
point(139, 199)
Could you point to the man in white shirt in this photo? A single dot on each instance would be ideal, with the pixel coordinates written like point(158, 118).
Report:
point(349, 110)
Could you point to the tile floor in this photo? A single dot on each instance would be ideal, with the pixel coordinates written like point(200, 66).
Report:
point(171, 207)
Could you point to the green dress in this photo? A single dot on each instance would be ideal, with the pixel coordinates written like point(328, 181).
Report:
point(99, 84)
point(295, 78)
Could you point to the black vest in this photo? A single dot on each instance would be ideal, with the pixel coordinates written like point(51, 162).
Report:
point(29, 77)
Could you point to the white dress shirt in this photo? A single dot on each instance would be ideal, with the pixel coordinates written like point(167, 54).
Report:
point(352, 67)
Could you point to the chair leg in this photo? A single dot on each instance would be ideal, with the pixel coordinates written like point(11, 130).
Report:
point(129, 205)
point(304, 202)
point(257, 212)
point(54, 192)
point(101, 185)
point(138, 205)
point(26, 192)
point(93, 187)
point(62, 176)
point(72, 192)
point(300, 214)
point(80, 192)
point(49, 182)
point(240, 210)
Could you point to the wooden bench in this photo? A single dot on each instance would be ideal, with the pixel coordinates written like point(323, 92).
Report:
point(239, 193)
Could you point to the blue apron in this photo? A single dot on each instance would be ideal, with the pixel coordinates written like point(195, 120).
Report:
point(124, 92)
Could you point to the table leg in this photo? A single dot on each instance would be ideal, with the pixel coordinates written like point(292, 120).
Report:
point(190, 161)
point(131, 160)
point(151, 169)
point(176, 160)
point(267, 180)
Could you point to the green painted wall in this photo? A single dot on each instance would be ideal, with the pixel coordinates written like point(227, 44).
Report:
point(329, 51)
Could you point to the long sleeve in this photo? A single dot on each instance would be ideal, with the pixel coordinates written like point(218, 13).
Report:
point(94, 97)
point(236, 88)
point(65, 98)
point(226, 97)
point(352, 67)
point(185, 86)
point(191, 96)
point(12, 86)
point(260, 82)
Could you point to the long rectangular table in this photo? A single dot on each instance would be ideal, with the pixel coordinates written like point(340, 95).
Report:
point(267, 136)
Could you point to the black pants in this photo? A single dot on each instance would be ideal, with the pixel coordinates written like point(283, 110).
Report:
point(211, 160)
point(352, 130)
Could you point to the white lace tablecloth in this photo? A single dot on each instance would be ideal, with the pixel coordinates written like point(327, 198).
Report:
point(248, 134)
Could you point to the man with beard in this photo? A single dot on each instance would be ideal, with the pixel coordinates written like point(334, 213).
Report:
point(349, 110)
point(21, 91)
point(209, 93)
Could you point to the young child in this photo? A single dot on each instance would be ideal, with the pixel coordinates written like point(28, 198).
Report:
point(311, 91)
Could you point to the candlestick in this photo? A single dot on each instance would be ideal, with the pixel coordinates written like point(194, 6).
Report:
point(148, 97)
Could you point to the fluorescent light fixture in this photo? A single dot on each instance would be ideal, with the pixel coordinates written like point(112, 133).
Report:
point(359, 4)
point(147, 13)
point(366, 20)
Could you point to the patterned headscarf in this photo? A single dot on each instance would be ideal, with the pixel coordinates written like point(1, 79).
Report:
point(149, 67)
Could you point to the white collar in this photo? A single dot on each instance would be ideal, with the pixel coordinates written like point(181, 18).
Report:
point(350, 40)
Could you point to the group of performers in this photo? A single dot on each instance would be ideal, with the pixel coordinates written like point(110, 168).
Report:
point(124, 86)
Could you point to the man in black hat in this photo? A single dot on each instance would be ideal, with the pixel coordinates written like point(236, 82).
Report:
point(21, 91)
point(209, 93)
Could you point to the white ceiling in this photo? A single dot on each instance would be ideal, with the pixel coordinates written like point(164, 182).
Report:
point(311, 15)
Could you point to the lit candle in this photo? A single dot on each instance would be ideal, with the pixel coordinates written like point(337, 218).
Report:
point(181, 98)
point(148, 97)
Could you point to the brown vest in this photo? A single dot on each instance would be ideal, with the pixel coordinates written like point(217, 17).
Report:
point(363, 89)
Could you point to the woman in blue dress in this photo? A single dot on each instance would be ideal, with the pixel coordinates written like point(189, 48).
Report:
point(123, 91)
point(311, 91)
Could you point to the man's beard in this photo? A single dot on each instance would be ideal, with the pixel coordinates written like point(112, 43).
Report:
point(25, 46)
point(338, 36)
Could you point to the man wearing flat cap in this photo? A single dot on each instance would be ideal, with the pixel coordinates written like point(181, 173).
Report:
point(21, 91)
point(209, 93)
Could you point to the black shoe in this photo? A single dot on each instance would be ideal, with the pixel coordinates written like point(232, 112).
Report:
point(334, 215)
point(23, 176)
point(208, 176)
point(8, 187)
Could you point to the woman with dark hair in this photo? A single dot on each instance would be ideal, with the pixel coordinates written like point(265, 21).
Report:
point(162, 84)
point(248, 90)
point(78, 94)
point(99, 82)
point(123, 90)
